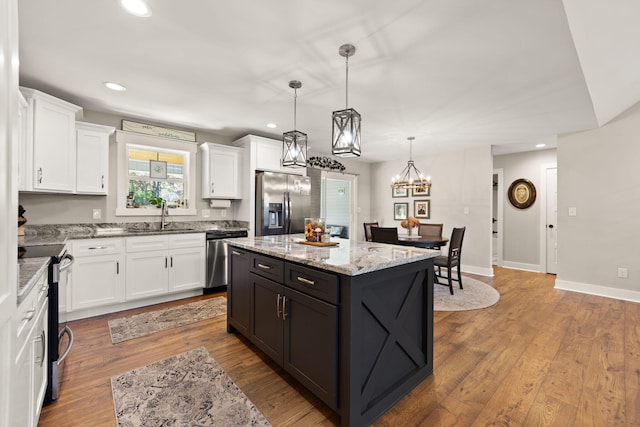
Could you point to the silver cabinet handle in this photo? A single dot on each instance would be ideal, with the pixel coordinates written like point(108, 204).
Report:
point(30, 314)
point(307, 281)
point(278, 307)
point(237, 253)
point(43, 341)
point(93, 248)
point(117, 267)
point(171, 262)
point(102, 181)
point(165, 262)
point(284, 308)
point(212, 190)
point(264, 267)
point(39, 175)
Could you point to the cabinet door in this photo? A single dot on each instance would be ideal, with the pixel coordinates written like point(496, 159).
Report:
point(221, 172)
point(266, 330)
point(92, 159)
point(21, 390)
point(96, 281)
point(239, 291)
point(311, 344)
point(186, 269)
point(269, 155)
point(39, 361)
point(54, 148)
point(147, 274)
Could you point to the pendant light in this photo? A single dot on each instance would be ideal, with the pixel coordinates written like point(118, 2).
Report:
point(406, 180)
point(346, 123)
point(294, 143)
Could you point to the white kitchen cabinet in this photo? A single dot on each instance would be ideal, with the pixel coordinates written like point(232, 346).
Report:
point(97, 273)
point(31, 357)
point(157, 265)
point(92, 146)
point(50, 143)
point(221, 171)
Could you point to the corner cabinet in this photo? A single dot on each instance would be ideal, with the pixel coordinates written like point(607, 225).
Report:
point(92, 158)
point(221, 171)
point(49, 143)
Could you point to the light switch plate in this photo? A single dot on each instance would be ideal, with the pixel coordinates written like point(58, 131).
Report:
point(573, 212)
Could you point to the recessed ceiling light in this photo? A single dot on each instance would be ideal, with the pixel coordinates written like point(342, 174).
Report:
point(115, 86)
point(136, 7)
point(272, 125)
point(541, 145)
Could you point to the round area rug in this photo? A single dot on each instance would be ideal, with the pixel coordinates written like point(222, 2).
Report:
point(474, 295)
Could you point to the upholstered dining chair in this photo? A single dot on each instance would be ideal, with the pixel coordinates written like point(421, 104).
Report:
point(430, 230)
point(384, 234)
point(451, 260)
point(367, 230)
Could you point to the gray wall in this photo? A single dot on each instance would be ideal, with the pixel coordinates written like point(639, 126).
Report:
point(521, 227)
point(598, 174)
point(75, 209)
point(461, 195)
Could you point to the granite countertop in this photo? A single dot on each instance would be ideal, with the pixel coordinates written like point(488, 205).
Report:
point(350, 257)
point(51, 234)
point(29, 270)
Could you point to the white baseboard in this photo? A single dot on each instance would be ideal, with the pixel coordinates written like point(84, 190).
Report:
point(521, 266)
point(602, 291)
point(480, 271)
point(97, 311)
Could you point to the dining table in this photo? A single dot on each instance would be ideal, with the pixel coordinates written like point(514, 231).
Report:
point(430, 242)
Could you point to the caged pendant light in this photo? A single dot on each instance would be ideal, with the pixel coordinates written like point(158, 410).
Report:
point(406, 180)
point(294, 143)
point(346, 123)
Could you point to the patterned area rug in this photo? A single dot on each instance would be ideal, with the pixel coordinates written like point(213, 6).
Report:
point(189, 389)
point(143, 324)
point(475, 295)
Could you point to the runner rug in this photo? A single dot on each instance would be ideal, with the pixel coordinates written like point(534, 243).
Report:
point(474, 295)
point(189, 389)
point(143, 324)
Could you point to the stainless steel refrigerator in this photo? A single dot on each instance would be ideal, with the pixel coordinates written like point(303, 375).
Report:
point(283, 201)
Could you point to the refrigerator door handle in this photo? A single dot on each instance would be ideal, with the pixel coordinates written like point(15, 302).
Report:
point(287, 213)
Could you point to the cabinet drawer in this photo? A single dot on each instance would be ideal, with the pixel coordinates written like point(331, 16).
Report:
point(316, 283)
point(147, 243)
point(268, 267)
point(92, 247)
point(188, 240)
point(27, 310)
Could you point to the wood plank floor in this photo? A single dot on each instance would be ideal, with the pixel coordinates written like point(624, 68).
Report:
point(539, 357)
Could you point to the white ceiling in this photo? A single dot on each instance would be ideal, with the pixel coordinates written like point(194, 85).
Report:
point(450, 73)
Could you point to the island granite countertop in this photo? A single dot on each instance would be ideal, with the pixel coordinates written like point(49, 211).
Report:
point(349, 257)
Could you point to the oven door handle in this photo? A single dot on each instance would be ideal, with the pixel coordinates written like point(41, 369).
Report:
point(67, 330)
point(62, 265)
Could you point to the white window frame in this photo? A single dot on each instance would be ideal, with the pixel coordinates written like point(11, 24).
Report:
point(123, 139)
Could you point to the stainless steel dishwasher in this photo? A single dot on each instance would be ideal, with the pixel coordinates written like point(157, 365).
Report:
point(217, 277)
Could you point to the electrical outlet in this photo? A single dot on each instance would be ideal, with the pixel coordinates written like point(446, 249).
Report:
point(206, 213)
point(223, 213)
point(97, 213)
point(623, 272)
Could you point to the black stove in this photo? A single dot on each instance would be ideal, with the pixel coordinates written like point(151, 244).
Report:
point(40, 251)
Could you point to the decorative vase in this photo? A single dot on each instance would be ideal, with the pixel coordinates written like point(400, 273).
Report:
point(410, 231)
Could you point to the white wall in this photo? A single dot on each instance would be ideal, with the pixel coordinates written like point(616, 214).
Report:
point(78, 209)
point(461, 183)
point(521, 227)
point(598, 174)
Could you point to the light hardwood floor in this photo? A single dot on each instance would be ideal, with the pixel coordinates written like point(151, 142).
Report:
point(538, 357)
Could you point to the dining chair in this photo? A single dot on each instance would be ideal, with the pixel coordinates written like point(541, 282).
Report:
point(384, 234)
point(430, 230)
point(451, 260)
point(367, 230)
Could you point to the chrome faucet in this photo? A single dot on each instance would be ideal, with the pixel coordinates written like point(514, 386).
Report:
point(165, 213)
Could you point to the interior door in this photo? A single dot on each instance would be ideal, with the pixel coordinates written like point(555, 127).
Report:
point(338, 201)
point(552, 220)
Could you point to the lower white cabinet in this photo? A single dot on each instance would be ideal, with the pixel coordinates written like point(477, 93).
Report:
point(157, 265)
point(97, 273)
point(31, 357)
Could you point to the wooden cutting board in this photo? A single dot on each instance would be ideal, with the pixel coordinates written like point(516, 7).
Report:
point(304, 242)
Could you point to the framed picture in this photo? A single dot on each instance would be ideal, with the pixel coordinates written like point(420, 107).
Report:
point(422, 191)
point(399, 192)
point(522, 193)
point(157, 169)
point(400, 211)
point(422, 209)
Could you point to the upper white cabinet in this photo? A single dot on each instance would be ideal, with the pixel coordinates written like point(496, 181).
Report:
point(221, 171)
point(49, 143)
point(92, 158)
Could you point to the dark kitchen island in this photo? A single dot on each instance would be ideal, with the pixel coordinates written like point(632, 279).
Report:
point(353, 323)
